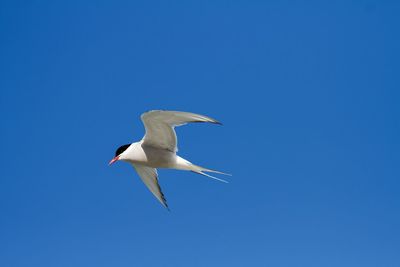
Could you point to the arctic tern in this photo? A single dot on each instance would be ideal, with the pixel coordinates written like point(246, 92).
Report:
point(158, 148)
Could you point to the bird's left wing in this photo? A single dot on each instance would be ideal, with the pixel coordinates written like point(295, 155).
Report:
point(149, 177)
point(160, 126)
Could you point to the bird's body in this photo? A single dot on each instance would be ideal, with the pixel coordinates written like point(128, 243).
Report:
point(158, 148)
point(139, 153)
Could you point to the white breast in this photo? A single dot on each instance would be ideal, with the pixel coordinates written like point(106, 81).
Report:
point(149, 156)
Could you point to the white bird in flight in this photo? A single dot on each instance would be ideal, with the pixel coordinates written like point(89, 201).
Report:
point(158, 148)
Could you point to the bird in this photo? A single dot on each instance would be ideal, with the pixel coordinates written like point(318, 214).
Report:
point(158, 149)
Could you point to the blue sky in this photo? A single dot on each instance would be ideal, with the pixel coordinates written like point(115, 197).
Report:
point(308, 92)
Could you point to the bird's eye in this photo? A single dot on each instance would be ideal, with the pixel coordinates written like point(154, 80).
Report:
point(121, 149)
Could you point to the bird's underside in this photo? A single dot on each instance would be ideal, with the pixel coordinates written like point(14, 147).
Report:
point(158, 148)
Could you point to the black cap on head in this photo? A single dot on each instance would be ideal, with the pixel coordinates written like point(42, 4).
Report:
point(121, 149)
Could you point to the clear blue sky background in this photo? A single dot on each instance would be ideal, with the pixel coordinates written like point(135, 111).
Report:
point(308, 92)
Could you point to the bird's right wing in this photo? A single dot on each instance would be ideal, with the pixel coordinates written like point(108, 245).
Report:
point(160, 126)
point(149, 177)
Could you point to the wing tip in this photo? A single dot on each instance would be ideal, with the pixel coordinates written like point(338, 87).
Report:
point(214, 121)
point(164, 203)
point(210, 121)
point(207, 119)
point(163, 199)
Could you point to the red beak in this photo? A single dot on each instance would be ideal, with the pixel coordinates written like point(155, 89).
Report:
point(113, 160)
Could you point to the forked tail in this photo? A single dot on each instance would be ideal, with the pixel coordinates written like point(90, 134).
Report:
point(201, 170)
point(183, 164)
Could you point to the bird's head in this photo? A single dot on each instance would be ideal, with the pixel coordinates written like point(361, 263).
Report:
point(118, 153)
